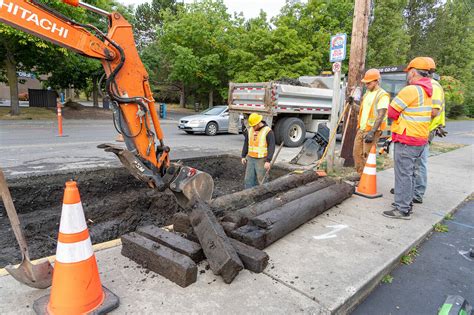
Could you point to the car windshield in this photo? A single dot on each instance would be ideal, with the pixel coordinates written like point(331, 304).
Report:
point(213, 111)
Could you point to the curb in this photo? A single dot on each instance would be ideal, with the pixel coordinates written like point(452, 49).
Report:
point(350, 304)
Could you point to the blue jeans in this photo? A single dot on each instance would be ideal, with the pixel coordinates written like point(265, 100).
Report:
point(405, 157)
point(255, 172)
point(421, 174)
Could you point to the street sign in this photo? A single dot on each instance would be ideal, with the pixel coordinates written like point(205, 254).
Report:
point(336, 67)
point(338, 48)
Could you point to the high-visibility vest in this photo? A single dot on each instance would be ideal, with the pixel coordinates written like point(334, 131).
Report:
point(258, 142)
point(373, 112)
point(415, 107)
point(438, 102)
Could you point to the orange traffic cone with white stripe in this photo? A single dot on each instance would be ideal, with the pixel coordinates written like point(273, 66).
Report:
point(368, 181)
point(76, 287)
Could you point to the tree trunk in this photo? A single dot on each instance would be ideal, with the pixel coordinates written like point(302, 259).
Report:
point(211, 98)
point(182, 97)
point(10, 65)
point(95, 92)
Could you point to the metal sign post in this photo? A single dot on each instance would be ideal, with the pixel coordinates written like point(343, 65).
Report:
point(336, 55)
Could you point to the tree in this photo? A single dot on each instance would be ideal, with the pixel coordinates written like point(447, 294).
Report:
point(148, 20)
point(195, 44)
point(315, 22)
point(419, 14)
point(388, 41)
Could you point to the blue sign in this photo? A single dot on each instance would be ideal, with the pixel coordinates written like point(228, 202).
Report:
point(338, 48)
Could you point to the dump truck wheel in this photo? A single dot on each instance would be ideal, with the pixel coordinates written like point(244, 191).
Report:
point(293, 132)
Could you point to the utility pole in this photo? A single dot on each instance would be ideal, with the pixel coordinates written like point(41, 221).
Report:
point(336, 87)
point(360, 30)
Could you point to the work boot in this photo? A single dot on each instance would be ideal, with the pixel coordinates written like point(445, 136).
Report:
point(396, 214)
point(415, 200)
point(411, 207)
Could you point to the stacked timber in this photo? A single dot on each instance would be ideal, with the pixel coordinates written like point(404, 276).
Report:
point(250, 220)
point(266, 228)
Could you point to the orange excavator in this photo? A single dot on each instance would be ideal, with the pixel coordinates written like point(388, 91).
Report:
point(127, 86)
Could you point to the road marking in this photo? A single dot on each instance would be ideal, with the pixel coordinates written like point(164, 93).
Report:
point(331, 234)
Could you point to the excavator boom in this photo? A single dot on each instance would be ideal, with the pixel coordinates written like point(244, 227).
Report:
point(127, 86)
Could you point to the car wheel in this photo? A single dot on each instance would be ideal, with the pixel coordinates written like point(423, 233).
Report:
point(189, 132)
point(211, 129)
point(293, 132)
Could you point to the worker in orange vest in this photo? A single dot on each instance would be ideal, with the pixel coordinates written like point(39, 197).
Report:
point(258, 150)
point(436, 129)
point(411, 112)
point(372, 119)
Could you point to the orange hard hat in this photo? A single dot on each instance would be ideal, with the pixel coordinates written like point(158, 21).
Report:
point(431, 62)
point(420, 63)
point(371, 75)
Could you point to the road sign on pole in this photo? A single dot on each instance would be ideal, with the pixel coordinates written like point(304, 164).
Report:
point(337, 50)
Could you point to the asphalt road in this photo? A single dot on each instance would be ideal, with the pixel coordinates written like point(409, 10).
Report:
point(442, 268)
point(31, 147)
point(461, 132)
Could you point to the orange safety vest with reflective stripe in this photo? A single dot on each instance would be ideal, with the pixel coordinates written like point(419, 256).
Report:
point(258, 147)
point(373, 113)
point(438, 102)
point(414, 106)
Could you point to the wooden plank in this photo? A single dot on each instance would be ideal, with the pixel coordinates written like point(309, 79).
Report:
point(220, 254)
point(253, 259)
point(250, 235)
point(174, 241)
point(158, 258)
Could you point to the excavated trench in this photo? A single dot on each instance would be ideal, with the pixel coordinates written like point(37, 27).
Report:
point(114, 203)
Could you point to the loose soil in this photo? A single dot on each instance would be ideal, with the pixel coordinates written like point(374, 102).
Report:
point(79, 111)
point(114, 203)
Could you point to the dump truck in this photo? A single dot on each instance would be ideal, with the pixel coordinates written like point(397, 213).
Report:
point(291, 110)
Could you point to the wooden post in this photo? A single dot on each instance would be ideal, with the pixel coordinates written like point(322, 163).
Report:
point(336, 88)
point(360, 29)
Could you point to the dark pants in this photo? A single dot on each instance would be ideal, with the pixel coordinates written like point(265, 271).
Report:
point(255, 172)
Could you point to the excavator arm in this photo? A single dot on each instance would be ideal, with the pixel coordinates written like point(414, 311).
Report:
point(127, 86)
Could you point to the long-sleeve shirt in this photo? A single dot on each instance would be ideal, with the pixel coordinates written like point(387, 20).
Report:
point(270, 145)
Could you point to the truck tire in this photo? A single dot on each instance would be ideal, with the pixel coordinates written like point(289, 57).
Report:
point(292, 132)
point(277, 131)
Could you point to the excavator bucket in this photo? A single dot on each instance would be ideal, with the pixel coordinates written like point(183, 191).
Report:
point(190, 185)
point(309, 154)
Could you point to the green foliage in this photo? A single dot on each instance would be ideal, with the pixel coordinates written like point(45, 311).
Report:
point(441, 228)
point(388, 41)
point(409, 258)
point(387, 279)
point(454, 96)
point(449, 216)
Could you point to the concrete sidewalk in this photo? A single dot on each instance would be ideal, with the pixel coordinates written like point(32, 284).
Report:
point(326, 266)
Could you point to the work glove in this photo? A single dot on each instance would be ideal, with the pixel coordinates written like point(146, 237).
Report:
point(440, 132)
point(386, 146)
point(369, 137)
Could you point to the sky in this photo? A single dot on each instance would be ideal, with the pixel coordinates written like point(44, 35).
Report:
point(250, 8)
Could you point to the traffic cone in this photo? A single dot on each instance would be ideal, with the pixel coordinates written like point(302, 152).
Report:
point(76, 287)
point(368, 181)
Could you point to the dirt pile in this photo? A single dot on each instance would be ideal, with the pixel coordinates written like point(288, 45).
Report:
point(114, 203)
